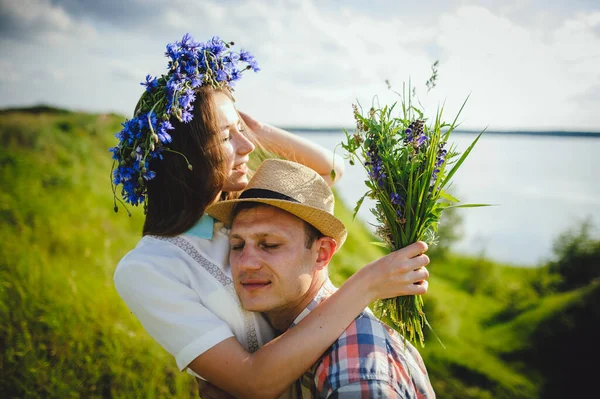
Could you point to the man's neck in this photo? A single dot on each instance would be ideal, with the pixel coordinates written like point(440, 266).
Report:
point(281, 318)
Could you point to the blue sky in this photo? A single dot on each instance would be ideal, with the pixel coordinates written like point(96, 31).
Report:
point(526, 64)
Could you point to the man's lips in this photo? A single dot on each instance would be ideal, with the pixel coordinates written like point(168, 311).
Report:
point(254, 284)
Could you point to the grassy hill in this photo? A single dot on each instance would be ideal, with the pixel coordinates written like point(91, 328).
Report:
point(65, 333)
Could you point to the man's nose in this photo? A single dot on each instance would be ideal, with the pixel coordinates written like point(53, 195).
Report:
point(248, 259)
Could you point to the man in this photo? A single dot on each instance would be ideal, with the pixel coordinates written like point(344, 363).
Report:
point(283, 236)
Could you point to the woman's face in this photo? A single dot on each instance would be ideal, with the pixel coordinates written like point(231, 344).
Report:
point(236, 146)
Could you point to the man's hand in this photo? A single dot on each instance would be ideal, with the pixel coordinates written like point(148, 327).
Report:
point(206, 390)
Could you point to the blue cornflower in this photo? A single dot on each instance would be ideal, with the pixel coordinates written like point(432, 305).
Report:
point(190, 65)
point(163, 134)
point(172, 52)
point(191, 68)
point(138, 153)
point(254, 65)
point(216, 45)
point(185, 40)
point(145, 120)
point(221, 75)
point(148, 174)
point(235, 75)
point(246, 56)
point(150, 83)
point(230, 60)
point(186, 116)
point(196, 80)
point(115, 152)
point(187, 99)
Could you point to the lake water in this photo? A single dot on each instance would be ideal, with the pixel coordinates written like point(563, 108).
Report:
point(542, 185)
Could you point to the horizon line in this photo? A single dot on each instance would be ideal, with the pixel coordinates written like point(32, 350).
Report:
point(39, 108)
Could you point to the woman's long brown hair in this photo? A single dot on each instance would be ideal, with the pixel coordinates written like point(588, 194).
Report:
point(178, 196)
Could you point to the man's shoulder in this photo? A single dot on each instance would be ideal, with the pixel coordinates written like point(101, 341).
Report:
point(369, 351)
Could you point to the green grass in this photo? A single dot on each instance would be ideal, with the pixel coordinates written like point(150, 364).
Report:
point(65, 333)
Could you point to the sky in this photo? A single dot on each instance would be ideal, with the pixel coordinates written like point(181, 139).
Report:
point(525, 64)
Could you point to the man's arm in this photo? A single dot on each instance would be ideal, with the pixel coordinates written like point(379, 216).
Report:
point(368, 389)
point(206, 390)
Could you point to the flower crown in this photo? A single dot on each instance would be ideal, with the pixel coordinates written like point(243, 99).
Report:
point(146, 136)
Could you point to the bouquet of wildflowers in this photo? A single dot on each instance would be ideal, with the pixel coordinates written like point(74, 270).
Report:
point(409, 164)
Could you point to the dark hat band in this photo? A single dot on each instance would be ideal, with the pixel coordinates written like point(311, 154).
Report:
point(265, 194)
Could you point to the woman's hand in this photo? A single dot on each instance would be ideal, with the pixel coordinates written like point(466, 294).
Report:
point(252, 123)
point(296, 148)
point(399, 273)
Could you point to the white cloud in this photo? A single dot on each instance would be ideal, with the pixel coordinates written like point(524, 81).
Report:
point(317, 60)
point(42, 21)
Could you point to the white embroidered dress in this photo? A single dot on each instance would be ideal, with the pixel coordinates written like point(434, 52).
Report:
point(180, 289)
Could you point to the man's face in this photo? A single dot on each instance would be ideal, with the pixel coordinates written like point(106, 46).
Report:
point(272, 268)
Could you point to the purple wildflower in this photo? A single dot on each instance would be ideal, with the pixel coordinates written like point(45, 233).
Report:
point(414, 134)
point(374, 161)
point(439, 161)
point(399, 202)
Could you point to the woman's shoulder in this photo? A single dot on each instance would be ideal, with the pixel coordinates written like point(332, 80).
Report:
point(151, 248)
point(151, 253)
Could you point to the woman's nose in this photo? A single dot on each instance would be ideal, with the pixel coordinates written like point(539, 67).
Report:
point(244, 145)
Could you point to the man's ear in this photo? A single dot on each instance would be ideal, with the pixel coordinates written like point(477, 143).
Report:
point(325, 249)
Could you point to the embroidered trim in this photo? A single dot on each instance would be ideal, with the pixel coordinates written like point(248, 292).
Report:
point(225, 281)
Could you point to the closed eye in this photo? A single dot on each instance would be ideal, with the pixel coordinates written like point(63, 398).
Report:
point(236, 247)
point(270, 246)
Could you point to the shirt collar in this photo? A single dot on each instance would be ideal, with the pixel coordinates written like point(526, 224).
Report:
point(203, 228)
point(327, 289)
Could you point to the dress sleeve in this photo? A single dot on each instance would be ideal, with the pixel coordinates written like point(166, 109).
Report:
point(366, 389)
point(168, 308)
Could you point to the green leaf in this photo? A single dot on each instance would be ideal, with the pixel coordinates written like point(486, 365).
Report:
point(470, 205)
point(448, 197)
point(358, 205)
point(379, 244)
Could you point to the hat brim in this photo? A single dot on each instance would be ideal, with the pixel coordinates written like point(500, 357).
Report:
point(323, 221)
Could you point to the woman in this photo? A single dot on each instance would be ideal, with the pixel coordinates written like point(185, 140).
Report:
point(186, 148)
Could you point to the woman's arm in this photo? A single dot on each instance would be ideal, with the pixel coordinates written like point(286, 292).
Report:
point(295, 148)
point(268, 372)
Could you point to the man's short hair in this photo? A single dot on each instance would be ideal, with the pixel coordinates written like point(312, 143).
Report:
point(311, 234)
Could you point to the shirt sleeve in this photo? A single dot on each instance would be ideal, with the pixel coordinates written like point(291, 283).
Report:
point(366, 389)
point(168, 308)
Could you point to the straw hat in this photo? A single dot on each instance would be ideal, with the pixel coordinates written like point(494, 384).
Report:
point(292, 187)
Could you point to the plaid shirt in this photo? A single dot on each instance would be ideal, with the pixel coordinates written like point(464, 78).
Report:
point(369, 360)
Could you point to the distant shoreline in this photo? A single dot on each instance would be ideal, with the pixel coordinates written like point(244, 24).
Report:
point(44, 108)
point(556, 133)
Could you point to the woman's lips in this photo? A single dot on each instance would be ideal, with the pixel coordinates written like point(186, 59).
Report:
point(241, 168)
